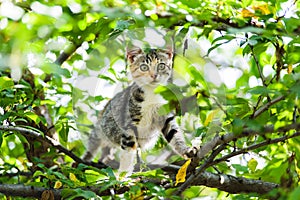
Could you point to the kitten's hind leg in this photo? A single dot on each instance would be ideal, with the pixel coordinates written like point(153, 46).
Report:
point(127, 161)
point(94, 143)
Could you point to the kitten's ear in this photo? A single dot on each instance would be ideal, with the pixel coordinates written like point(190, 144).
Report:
point(132, 52)
point(169, 51)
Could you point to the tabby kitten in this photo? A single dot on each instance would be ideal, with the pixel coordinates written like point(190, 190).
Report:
point(130, 120)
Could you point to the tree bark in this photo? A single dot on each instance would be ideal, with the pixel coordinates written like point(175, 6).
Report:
point(223, 182)
point(234, 185)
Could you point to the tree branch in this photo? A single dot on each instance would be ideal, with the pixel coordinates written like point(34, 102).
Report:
point(19, 190)
point(222, 140)
point(223, 182)
point(66, 54)
point(233, 184)
point(52, 142)
point(201, 169)
point(223, 24)
point(207, 147)
point(267, 106)
point(255, 146)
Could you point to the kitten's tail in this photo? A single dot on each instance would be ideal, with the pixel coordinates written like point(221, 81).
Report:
point(93, 145)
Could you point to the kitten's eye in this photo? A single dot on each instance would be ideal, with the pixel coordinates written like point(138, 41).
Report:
point(144, 67)
point(161, 66)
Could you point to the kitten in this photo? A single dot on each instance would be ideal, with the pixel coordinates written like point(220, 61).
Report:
point(130, 120)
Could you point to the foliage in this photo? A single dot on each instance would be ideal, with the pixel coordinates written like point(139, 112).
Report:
point(240, 61)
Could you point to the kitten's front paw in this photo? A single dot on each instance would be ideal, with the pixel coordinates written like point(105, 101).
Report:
point(128, 142)
point(190, 153)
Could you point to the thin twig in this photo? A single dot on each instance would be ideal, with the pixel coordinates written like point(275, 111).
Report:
point(267, 106)
point(255, 146)
point(260, 98)
point(52, 142)
point(259, 68)
point(220, 106)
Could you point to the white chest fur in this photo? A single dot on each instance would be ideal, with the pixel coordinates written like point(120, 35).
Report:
point(150, 107)
point(151, 122)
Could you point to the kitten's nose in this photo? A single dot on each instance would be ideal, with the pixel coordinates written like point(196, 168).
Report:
point(154, 76)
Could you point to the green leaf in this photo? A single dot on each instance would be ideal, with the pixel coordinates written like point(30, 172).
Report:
point(196, 75)
point(238, 126)
point(109, 172)
point(248, 29)
point(38, 173)
point(295, 194)
point(215, 46)
point(34, 117)
point(63, 131)
point(206, 30)
point(240, 169)
point(59, 175)
point(260, 90)
point(252, 164)
point(51, 68)
point(99, 98)
point(47, 102)
point(296, 89)
point(75, 193)
point(246, 3)
point(158, 173)
point(260, 48)
point(5, 83)
point(193, 192)
point(106, 78)
point(291, 24)
point(170, 92)
point(1, 138)
point(34, 129)
point(247, 49)
point(165, 109)
point(109, 184)
point(226, 38)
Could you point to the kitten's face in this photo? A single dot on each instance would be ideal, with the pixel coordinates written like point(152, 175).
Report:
point(151, 68)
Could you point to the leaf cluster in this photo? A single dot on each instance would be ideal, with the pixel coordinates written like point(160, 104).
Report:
point(240, 64)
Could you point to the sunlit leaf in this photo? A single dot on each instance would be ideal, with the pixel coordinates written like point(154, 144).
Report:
point(252, 164)
point(33, 117)
point(210, 117)
point(181, 174)
point(72, 177)
point(247, 13)
point(57, 185)
point(88, 38)
point(264, 9)
point(5, 83)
